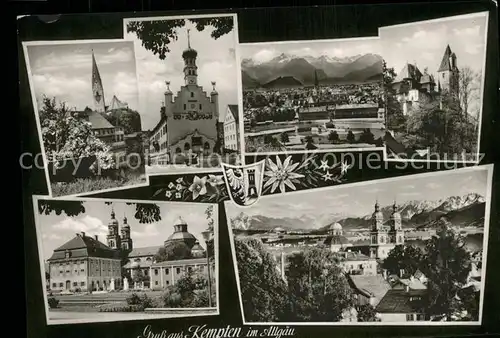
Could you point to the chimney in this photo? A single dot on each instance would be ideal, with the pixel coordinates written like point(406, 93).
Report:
point(83, 234)
point(96, 237)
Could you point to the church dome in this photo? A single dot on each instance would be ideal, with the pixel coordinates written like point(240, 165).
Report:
point(181, 234)
point(125, 224)
point(336, 226)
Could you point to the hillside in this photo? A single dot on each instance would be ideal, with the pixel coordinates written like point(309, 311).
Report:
point(329, 70)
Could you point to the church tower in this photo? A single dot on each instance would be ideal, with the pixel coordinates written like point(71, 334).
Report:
point(190, 69)
point(380, 242)
point(448, 73)
point(113, 236)
point(126, 240)
point(97, 88)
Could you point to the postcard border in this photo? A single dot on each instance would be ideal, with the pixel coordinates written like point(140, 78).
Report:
point(36, 198)
point(489, 186)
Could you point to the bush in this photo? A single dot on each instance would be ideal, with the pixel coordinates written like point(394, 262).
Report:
point(123, 308)
point(53, 302)
point(144, 301)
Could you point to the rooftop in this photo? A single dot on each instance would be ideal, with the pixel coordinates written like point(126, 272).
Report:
point(371, 286)
point(399, 301)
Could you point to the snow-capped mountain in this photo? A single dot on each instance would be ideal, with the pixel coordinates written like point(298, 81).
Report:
point(467, 210)
point(306, 69)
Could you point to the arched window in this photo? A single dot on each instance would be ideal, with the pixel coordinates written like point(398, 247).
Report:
point(382, 239)
point(192, 94)
point(400, 239)
point(187, 146)
point(206, 145)
point(178, 150)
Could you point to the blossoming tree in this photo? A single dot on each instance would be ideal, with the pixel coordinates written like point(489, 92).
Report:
point(65, 136)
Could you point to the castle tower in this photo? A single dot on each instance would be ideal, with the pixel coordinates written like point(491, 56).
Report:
point(190, 69)
point(126, 240)
point(448, 72)
point(214, 98)
point(113, 236)
point(97, 88)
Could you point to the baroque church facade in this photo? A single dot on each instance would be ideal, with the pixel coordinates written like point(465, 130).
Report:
point(189, 121)
point(385, 235)
point(414, 88)
point(84, 263)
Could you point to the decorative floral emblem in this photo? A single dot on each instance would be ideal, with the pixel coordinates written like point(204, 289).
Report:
point(194, 188)
point(244, 182)
point(281, 174)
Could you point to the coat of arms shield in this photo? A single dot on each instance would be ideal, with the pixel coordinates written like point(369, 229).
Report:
point(244, 182)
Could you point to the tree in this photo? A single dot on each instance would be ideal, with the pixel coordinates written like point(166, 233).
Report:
point(446, 265)
point(284, 138)
point(268, 139)
point(264, 294)
point(173, 251)
point(310, 143)
point(138, 276)
point(318, 289)
point(145, 212)
point(395, 120)
point(157, 35)
point(468, 88)
point(66, 136)
point(367, 137)
point(333, 136)
point(128, 119)
point(367, 313)
point(403, 257)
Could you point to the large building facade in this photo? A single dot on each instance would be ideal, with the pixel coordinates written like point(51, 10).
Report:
point(84, 263)
point(189, 121)
point(414, 88)
point(231, 128)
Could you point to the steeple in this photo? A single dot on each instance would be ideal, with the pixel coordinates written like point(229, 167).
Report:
point(97, 88)
point(190, 69)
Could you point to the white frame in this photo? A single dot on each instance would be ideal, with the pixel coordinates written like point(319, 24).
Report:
point(37, 117)
point(481, 89)
point(239, 92)
point(489, 168)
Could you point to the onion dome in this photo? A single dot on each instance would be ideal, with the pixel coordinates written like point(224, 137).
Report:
point(125, 224)
point(189, 53)
point(214, 91)
point(377, 214)
point(395, 213)
point(113, 220)
point(168, 91)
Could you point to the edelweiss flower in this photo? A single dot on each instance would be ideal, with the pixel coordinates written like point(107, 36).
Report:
point(281, 174)
point(199, 187)
point(215, 180)
point(327, 176)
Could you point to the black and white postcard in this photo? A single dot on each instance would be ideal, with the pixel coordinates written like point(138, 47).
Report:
point(85, 98)
point(115, 260)
point(306, 95)
point(399, 250)
point(434, 79)
point(188, 85)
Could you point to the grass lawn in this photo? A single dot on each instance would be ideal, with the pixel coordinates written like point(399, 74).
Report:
point(83, 185)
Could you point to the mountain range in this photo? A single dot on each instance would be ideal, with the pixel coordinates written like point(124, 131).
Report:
point(328, 70)
point(466, 210)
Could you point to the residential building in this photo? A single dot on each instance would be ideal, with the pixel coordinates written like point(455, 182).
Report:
point(368, 289)
point(231, 128)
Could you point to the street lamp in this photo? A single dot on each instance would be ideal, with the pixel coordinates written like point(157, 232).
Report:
point(207, 236)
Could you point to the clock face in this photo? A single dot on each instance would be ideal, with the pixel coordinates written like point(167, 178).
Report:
point(191, 81)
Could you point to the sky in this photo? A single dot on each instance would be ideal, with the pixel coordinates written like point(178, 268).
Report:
point(262, 52)
point(359, 200)
point(57, 230)
point(424, 42)
point(64, 71)
point(216, 61)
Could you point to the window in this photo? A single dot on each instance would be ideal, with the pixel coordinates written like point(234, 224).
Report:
point(54, 285)
point(75, 283)
point(192, 94)
point(156, 282)
point(420, 317)
point(410, 317)
point(184, 106)
point(190, 269)
point(200, 106)
point(167, 282)
point(156, 272)
point(82, 284)
point(178, 270)
point(60, 285)
point(167, 271)
point(146, 272)
point(187, 146)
